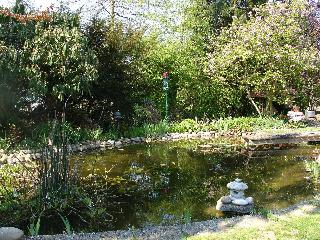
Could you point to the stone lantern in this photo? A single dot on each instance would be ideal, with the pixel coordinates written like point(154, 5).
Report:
point(236, 202)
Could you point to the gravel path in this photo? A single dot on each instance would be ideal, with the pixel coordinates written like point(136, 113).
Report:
point(164, 232)
point(176, 232)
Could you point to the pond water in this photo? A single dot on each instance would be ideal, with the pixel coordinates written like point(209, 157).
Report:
point(165, 183)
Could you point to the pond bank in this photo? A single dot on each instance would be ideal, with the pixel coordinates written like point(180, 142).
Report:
point(253, 141)
point(264, 139)
point(200, 230)
point(87, 146)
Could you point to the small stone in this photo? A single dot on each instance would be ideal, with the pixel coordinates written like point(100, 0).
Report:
point(226, 199)
point(118, 144)
point(192, 135)
point(21, 158)
point(249, 200)
point(27, 151)
point(240, 202)
point(110, 142)
point(136, 139)
point(206, 134)
point(175, 136)
point(11, 161)
point(126, 141)
point(10, 233)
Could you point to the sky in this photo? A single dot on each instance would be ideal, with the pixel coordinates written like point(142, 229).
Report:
point(87, 6)
point(161, 14)
point(42, 4)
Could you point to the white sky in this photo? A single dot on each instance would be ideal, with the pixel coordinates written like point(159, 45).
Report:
point(132, 13)
point(41, 4)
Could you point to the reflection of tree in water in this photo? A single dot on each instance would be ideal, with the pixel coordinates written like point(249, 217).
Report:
point(312, 165)
point(164, 183)
point(183, 193)
point(169, 186)
point(275, 180)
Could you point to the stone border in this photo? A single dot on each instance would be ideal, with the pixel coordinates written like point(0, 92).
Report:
point(254, 142)
point(87, 146)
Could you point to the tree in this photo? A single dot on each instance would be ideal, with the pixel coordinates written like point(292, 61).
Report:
point(8, 91)
point(223, 11)
point(119, 84)
point(267, 53)
point(58, 65)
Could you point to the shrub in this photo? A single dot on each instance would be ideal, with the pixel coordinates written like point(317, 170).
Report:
point(145, 114)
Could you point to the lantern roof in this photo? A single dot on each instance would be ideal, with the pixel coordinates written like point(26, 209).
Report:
point(237, 185)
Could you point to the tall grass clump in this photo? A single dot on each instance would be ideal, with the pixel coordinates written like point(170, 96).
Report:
point(46, 197)
point(54, 167)
point(247, 124)
point(4, 143)
point(43, 131)
point(188, 125)
point(149, 130)
point(240, 124)
point(61, 196)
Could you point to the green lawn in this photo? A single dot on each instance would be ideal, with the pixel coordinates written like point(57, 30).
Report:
point(295, 225)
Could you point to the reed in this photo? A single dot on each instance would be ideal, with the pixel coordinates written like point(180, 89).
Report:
point(55, 177)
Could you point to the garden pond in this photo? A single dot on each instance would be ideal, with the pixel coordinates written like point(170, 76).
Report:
point(180, 181)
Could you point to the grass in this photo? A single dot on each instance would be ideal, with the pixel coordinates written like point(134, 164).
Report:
point(289, 226)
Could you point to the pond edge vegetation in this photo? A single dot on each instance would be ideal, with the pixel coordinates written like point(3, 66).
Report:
point(83, 140)
point(55, 166)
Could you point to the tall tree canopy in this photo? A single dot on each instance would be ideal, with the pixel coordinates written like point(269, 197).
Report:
point(58, 63)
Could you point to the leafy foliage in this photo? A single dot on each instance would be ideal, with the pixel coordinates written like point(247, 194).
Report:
point(255, 55)
point(58, 63)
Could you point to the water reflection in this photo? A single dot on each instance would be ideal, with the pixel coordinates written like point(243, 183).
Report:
point(179, 181)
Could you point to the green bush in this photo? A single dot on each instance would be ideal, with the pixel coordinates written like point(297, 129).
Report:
point(145, 114)
point(186, 126)
point(248, 124)
point(149, 130)
point(74, 135)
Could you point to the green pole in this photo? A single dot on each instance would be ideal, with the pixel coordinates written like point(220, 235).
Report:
point(166, 117)
point(166, 89)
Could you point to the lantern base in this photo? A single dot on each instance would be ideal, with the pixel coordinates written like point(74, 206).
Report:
point(233, 208)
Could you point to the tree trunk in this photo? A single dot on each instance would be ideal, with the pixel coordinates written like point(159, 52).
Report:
point(253, 103)
point(269, 107)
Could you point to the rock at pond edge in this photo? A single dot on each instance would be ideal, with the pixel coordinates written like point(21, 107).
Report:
point(11, 233)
